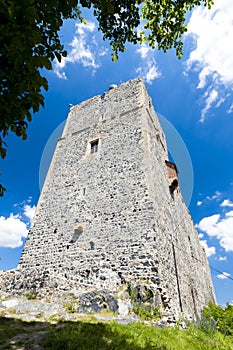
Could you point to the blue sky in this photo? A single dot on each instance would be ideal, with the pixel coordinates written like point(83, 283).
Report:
point(194, 94)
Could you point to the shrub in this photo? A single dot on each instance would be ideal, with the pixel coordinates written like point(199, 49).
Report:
point(31, 296)
point(223, 317)
point(142, 301)
point(146, 311)
point(70, 307)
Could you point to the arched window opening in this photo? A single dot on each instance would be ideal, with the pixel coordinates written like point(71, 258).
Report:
point(94, 146)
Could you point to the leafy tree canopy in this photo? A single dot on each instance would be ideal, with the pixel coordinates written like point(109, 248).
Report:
point(29, 41)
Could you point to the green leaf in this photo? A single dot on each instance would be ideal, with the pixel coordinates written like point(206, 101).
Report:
point(2, 152)
point(2, 190)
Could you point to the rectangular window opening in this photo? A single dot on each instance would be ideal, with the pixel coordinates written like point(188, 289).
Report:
point(94, 146)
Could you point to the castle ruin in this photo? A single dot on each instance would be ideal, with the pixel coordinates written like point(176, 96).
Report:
point(111, 212)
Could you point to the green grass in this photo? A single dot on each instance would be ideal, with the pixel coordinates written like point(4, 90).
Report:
point(90, 334)
point(11, 328)
point(106, 336)
point(146, 312)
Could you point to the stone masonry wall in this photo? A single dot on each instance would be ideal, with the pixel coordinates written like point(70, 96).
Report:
point(105, 193)
point(108, 217)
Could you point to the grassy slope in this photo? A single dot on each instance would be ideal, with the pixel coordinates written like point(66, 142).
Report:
point(93, 335)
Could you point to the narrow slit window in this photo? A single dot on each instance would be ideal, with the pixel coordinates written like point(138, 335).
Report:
point(190, 246)
point(94, 146)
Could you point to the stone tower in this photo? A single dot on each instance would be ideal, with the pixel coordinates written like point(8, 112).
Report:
point(111, 212)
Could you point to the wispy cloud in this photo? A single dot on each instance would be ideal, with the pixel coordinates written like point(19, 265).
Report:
point(216, 195)
point(223, 275)
point(230, 110)
point(149, 69)
point(84, 49)
point(222, 258)
point(213, 56)
point(210, 99)
point(15, 227)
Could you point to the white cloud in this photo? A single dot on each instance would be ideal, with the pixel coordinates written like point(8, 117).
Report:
point(84, 49)
point(199, 203)
point(61, 75)
point(208, 223)
point(29, 211)
point(208, 250)
point(223, 275)
point(149, 70)
point(219, 227)
point(20, 204)
point(212, 30)
point(152, 73)
point(230, 110)
point(210, 99)
point(222, 258)
point(13, 228)
point(226, 203)
point(220, 101)
point(82, 28)
point(143, 50)
point(213, 55)
point(216, 195)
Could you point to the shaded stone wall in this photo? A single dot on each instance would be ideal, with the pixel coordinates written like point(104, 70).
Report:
point(108, 217)
point(194, 276)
